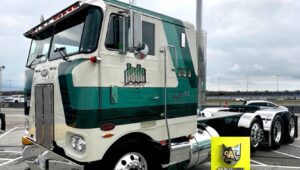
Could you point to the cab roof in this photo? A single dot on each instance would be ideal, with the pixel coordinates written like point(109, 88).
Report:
point(77, 6)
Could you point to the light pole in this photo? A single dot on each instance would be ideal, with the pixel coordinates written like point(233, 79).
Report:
point(219, 90)
point(9, 87)
point(247, 86)
point(247, 83)
point(277, 75)
point(1, 69)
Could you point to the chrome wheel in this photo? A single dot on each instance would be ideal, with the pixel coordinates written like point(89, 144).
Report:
point(132, 161)
point(277, 131)
point(292, 127)
point(256, 135)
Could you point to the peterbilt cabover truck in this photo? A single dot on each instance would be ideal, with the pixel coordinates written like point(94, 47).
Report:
point(113, 86)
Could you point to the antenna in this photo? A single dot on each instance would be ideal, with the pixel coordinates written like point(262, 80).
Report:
point(42, 19)
point(132, 2)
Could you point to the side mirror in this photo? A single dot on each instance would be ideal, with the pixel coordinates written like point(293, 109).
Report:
point(137, 30)
point(141, 52)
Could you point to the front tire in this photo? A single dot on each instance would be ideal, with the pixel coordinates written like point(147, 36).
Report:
point(131, 155)
point(277, 130)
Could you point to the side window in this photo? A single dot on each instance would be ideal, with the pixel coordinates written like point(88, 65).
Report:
point(263, 104)
point(115, 35)
point(257, 104)
point(253, 104)
point(148, 36)
point(270, 105)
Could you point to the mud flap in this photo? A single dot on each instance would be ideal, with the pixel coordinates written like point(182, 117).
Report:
point(2, 122)
point(296, 135)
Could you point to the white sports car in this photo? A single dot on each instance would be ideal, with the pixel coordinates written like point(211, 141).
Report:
point(265, 105)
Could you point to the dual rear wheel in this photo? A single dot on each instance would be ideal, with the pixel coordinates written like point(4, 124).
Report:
point(281, 132)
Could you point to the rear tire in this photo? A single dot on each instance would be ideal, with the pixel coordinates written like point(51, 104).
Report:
point(131, 155)
point(256, 134)
point(277, 130)
point(290, 131)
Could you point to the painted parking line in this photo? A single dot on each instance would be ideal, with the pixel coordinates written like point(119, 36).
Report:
point(272, 166)
point(259, 163)
point(298, 146)
point(5, 159)
point(282, 153)
point(13, 160)
point(17, 152)
point(11, 130)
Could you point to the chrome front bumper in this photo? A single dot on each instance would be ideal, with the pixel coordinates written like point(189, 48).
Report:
point(39, 158)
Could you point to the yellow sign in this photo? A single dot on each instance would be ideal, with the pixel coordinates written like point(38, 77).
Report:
point(230, 153)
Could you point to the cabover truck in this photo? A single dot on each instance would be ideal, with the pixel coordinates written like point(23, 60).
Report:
point(113, 86)
point(270, 127)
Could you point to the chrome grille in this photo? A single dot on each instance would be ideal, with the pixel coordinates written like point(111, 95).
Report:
point(44, 116)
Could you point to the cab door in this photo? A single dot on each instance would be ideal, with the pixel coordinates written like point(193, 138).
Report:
point(132, 87)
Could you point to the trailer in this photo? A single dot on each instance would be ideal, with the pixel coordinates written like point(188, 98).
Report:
point(270, 127)
point(113, 86)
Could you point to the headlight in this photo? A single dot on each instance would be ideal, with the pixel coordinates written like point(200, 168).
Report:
point(26, 125)
point(78, 143)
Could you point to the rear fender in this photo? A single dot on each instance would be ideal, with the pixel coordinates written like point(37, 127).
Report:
point(268, 117)
point(246, 120)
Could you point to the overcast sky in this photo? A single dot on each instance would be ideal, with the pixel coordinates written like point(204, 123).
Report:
point(246, 38)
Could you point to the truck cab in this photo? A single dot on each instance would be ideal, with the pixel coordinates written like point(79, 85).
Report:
point(109, 82)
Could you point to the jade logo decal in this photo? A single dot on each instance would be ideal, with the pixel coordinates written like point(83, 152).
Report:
point(231, 155)
point(134, 76)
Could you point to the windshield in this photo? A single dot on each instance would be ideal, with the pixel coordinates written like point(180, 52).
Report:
point(39, 49)
point(78, 33)
point(69, 40)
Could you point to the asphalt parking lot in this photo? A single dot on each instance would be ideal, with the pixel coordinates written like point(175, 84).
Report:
point(286, 157)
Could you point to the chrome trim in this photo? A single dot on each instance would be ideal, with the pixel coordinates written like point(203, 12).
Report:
point(179, 152)
point(44, 115)
point(40, 158)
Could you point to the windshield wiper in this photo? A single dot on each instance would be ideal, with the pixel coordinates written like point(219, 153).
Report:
point(33, 61)
point(62, 52)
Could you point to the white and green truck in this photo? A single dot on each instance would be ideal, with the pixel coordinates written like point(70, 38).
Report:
point(113, 86)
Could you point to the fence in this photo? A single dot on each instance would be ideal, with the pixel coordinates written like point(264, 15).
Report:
point(294, 109)
point(12, 105)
